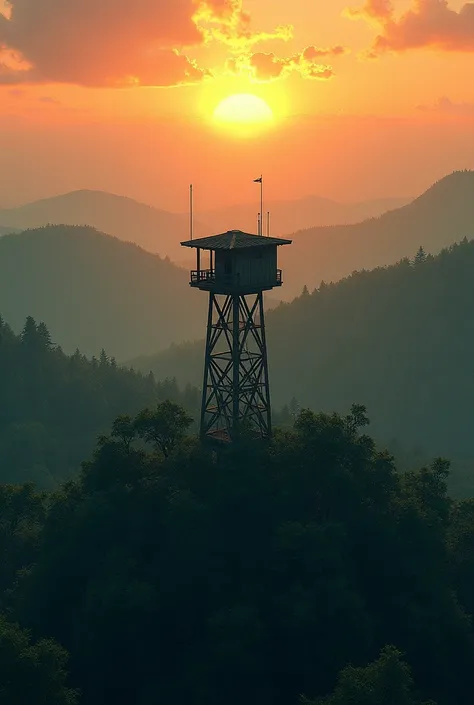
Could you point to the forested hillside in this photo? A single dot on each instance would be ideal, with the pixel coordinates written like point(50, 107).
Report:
point(439, 217)
point(398, 339)
point(96, 292)
point(54, 406)
point(251, 575)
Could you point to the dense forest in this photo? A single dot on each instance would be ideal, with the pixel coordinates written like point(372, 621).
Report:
point(303, 570)
point(54, 406)
point(95, 291)
point(397, 339)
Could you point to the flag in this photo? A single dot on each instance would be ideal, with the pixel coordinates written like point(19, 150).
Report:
point(258, 181)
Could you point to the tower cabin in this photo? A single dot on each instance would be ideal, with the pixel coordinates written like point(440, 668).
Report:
point(239, 263)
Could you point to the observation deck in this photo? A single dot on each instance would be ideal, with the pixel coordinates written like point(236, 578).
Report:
point(238, 263)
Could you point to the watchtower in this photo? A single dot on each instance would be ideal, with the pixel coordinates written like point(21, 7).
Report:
point(235, 389)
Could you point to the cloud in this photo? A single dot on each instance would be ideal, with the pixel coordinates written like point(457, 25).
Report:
point(111, 43)
point(372, 9)
point(227, 22)
point(447, 106)
point(120, 43)
point(265, 67)
point(429, 23)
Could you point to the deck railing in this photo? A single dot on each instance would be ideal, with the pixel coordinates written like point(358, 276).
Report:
point(203, 276)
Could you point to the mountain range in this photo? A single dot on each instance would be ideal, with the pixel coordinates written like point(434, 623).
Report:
point(442, 215)
point(160, 231)
point(157, 231)
point(95, 291)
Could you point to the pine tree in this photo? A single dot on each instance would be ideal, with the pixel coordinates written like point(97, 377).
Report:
point(44, 334)
point(420, 257)
point(29, 333)
point(103, 359)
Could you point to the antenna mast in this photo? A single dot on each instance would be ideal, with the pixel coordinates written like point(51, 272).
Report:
point(191, 213)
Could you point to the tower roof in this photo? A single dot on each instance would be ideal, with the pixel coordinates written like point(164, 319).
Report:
point(235, 240)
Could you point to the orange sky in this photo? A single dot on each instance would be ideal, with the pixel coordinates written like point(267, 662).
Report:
point(370, 99)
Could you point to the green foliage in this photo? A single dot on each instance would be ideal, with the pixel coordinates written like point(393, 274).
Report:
point(31, 672)
point(164, 426)
point(387, 681)
point(54, 406)
point(253, 573)
point(124, 430)
point(22, 516)
point(460, 539)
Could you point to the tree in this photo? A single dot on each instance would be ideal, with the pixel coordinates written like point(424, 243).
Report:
point(44, 334)
point(103, 359)
point(124, 430)
point(387, 681)
point(420, 257)
point(163, 426)
point(31, 672)
point(29, 332)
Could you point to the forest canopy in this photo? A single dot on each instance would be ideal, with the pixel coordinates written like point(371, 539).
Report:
point(257, 572)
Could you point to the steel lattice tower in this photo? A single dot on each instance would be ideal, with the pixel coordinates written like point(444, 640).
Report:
point(236, 390)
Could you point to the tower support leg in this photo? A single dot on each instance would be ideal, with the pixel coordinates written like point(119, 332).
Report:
point(236, 391)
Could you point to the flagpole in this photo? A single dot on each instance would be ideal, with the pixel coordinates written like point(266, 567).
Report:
point(268, 224)
point(260, 215)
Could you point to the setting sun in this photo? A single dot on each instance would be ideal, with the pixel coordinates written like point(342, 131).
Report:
point(243, 111)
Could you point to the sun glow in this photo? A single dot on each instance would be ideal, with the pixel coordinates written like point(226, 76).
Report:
point(243, 113)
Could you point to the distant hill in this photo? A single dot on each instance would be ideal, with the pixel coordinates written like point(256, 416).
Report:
point(96, 292)
point(291, 215)
point(157, 231)
point(398, 339)
point(442, 215)
point(5, 230)
point(161, 232)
